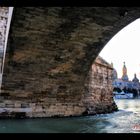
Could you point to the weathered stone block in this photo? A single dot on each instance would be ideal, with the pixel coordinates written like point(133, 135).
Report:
point(25, 105)
point(17, 105)
point(2, 105)
point(12, 105)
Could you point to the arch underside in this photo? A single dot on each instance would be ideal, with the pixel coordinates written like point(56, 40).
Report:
point(49, 55)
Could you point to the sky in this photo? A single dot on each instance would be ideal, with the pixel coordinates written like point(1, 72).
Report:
point(125, 47)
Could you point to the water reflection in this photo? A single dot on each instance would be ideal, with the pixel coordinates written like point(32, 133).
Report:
point(129, 105)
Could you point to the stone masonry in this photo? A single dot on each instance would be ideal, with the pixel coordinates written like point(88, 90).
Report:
point(100, 90)
point(49, 55)
point(3, 25)
point(99, 98)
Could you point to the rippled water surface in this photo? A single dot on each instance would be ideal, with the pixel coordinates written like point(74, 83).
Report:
point(121, 121)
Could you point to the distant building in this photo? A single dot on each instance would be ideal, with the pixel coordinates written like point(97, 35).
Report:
point(124, 84)
point(105, 77)
point(124, 71)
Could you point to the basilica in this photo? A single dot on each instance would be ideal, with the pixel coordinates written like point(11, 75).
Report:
point(125, 85)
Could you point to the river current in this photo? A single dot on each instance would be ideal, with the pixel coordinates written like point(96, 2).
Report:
point(122, 121)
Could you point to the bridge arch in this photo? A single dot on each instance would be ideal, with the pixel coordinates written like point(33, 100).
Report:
point(50, 52)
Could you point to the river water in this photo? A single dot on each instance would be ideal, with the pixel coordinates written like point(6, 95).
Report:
point(121, 121)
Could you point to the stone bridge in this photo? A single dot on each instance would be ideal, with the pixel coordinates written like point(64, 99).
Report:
point(49, 54)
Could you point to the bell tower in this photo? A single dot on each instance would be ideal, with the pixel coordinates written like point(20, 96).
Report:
point(124, 73)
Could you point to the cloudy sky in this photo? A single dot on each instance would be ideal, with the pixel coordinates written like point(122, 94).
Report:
point(125, 47)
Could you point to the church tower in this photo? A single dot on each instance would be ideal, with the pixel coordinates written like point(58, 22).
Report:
point(124, 73)
point(135, 79)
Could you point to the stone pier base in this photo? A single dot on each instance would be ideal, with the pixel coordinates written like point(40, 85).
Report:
point(16, 109)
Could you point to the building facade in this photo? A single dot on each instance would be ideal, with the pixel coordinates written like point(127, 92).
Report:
point(125, 85)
